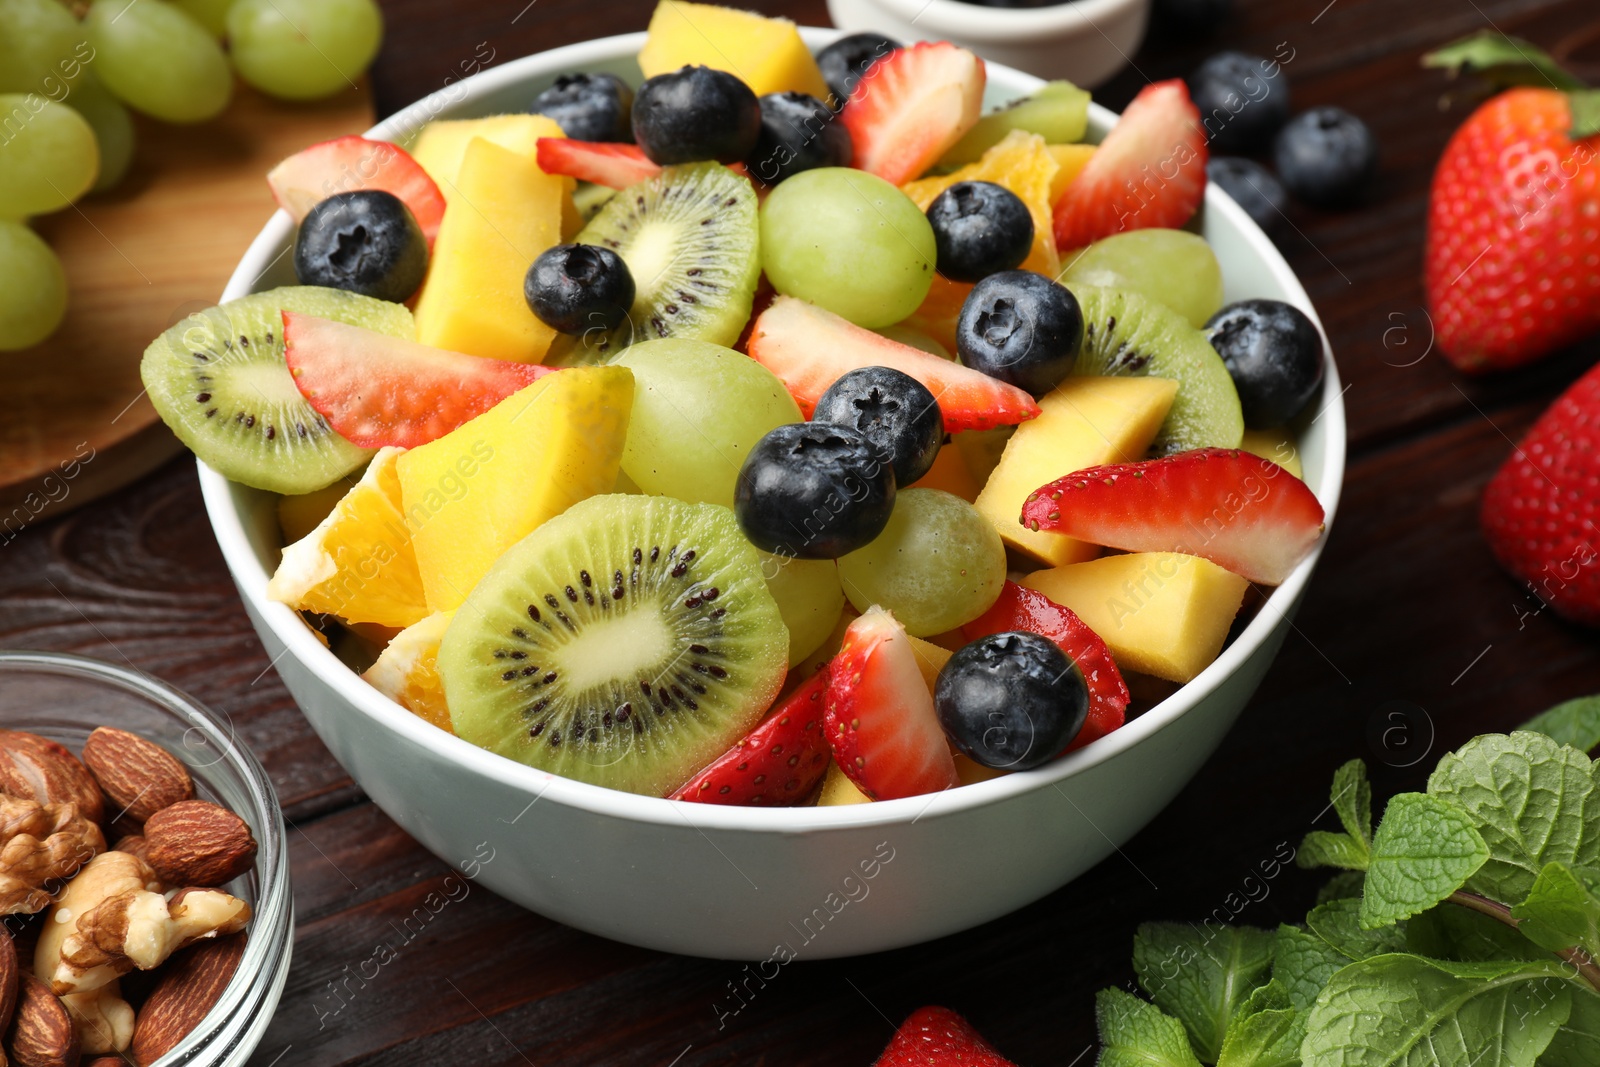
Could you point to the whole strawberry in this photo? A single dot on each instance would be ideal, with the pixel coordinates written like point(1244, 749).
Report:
point(1541, 511)
point(1514, 218)
point(938, 1037)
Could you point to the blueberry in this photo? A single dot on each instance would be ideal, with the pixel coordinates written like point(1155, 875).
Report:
point(897, 413)
point(1011, 700)
point(979, 229)
point(589, 107)
point(367, 242)
point(814, 490)
point(574, 288)
point(1274, 354)
point(798, 132)
point(1243, 100)
point(1021, 328)
point(844, 61)
point(1256, 189)
point(1326, 156)
point(1187, 17)
point(696, 113)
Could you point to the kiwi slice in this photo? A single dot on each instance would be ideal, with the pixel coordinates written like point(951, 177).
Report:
point(627, 643)
point(689, 236)
point(218, 379)
point(1133, 336)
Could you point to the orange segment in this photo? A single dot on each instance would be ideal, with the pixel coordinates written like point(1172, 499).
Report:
point(358, 563)
point(1070, 161)
point(407, 671)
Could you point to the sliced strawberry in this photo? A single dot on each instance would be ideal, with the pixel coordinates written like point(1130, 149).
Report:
point(1030, 610)
point(376, 390)
point(938, 1037)
point(777, 763)
point(911, 106)
point(616, 166)
point(1239, 511)
point(346, 164)
point(810, 349)
point(881, 724)
point(1149, 171)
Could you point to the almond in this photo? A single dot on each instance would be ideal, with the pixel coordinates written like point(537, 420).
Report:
point(42, 1033)
point(197, 843)
point(39, 769)
point(190, 985)
point(139, 777)
point(133, 845)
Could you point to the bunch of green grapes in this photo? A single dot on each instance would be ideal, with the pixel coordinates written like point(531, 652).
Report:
point(67, 84)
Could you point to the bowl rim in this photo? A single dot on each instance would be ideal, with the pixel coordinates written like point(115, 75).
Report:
point(299, 640)
point(976, 22)
point(264, 965)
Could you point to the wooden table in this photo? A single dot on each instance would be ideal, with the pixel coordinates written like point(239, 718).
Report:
point(1410, 642)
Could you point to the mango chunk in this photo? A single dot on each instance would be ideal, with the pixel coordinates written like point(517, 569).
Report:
point(504, 211)
point(930, 659)
point(837, 788)
point(1276, 445)
point(766, 54)
point(1070, 161)
point(490, 482)
point(1083, 422)
point(1160, 613)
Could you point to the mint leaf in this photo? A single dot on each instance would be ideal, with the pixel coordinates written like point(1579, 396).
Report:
point(1576, 722)
point(1352, 802)
point(1338, 922)
point(1266, 1032)
point(1324, 849)
point(1534, 802)
point(1342, 885)
point(1452, 932)
point(1425, 850)
point(1302, 963)
point(1577, 1044)
point(1561, 910)
point(1201, 974)
point(1135, 1033)
point(1505, 61)
point(1399, 1010)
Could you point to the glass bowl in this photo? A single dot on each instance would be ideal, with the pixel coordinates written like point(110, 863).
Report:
point(64, 697)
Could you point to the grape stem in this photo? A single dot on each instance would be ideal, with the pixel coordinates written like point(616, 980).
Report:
point(1580, 960)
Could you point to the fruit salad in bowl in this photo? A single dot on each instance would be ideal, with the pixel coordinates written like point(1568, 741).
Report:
point(811, 469)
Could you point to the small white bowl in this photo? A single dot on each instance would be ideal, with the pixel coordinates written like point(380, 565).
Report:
point(1083, 41)
point(761, 883)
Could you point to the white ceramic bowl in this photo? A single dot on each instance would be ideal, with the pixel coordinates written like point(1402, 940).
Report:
point(743, 882)
point(1084, 41)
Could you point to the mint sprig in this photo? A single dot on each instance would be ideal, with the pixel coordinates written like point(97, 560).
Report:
point(1462, 931)
point(1510, 61)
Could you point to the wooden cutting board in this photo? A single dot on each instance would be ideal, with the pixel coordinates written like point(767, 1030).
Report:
point(74, 421)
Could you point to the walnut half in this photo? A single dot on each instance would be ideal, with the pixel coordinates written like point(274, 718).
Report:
point(41, 846)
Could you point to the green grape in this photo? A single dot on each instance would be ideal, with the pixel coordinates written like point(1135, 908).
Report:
point(809, 598)
point(698, 409)
point(303, 49)
point(42, 48)
point(212, 14)
point(1174, 267)
point(158, 60)
point(850, 242)
point(938, 564)
point(48, 156)
point(113, 129)
point(34, 298)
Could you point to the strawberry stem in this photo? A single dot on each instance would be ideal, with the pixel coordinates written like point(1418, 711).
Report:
point(1510, 61)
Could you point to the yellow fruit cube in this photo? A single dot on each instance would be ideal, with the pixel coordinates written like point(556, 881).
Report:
point(407, 670)
point(837, 788)
point(970, 771)
point(1160, 613)
point(442, 145)
point(1070, 161)
point(358, 563)
point(767, 54)
point(930, 660)
point(488, 483)
point(504, 213)
point(1083, 422)
point(1276, 445)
